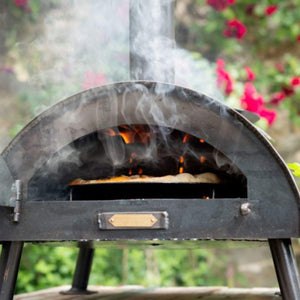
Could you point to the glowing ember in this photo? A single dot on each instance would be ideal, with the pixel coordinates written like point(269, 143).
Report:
point(141, 134)
point(133, 155)
point(130, 134)
point(110, 132)
point(185, 138)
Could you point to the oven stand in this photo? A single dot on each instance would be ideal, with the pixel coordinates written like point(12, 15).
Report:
point(82, 272)
point(9, 267)
point(286, 268)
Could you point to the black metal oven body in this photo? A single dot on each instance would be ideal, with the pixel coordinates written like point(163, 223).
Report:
point(269, 211)
point(271, 191)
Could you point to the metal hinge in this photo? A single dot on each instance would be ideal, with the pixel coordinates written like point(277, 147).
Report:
point(16, 199)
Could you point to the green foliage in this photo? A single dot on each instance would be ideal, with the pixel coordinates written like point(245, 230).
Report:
point(43, 267)
point(295, 167)
point(270, 43)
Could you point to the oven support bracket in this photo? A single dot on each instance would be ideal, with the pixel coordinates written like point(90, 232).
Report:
point(9, 267)
point(286, 268)
point(82, 272)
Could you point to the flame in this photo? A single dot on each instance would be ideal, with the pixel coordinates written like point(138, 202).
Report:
point(131, 134)
point(206, 198)
point(181, 168)
point(135, 133)
point(128, 136)
point(185, 138)
point(110, 132)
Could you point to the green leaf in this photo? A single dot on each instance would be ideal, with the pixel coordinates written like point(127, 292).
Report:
point(295, 167)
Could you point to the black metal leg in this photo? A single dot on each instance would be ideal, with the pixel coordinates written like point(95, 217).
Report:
point(286, 268)
point(9, 267)
point(82, 272)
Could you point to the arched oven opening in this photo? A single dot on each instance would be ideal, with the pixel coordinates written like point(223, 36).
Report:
point(138, 161)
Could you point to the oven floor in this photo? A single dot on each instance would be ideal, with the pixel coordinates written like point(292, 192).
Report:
point(169, 293)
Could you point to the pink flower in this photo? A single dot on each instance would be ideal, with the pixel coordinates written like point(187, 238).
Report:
point(279, 67)
point(224, 79)
point(269, 115)
point(298, 38)
point(252, 101)
point(288, 90)
point(6, 69)
point(250, 74)
point(221, 63)
point(220, 4)
point(250, 9)
point(235, 29)
point(271, 9)
point(94, 79)
point(276, 98)
point(295, 81)
point(9, 70)
point(22, 3)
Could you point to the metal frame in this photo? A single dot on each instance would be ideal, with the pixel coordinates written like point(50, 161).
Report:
point(82, 271)
point(9, 267)
point(218, 219)
point(281, 249)
point(286, 268)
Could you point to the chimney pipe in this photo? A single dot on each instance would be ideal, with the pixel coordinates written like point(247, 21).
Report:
point(152, 40)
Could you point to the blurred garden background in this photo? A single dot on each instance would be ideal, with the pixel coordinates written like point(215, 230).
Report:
point(243, 52)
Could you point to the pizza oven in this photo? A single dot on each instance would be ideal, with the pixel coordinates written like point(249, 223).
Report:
point(153, 141)
point(147, 163)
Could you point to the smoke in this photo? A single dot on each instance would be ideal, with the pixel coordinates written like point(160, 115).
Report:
point(152, 40)
point(197, 74)
point(95, 37)
point(74, 39)
point(71, 41)
point(155, 56)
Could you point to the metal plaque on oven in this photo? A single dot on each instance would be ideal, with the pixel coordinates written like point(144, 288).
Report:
point(133, 220)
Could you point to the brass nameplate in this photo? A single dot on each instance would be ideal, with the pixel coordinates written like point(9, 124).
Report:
point(133, 220)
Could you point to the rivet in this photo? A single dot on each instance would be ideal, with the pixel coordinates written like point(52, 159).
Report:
point(245, 209)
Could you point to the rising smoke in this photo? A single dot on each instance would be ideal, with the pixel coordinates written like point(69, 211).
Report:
point(93, 36)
